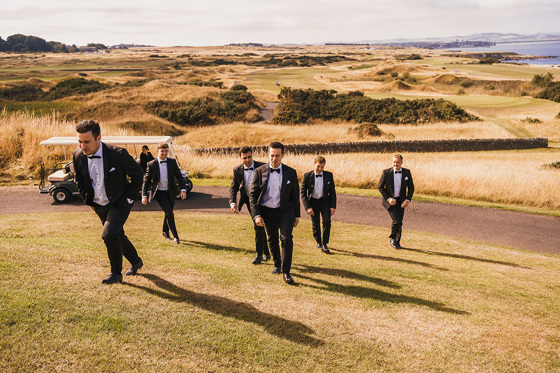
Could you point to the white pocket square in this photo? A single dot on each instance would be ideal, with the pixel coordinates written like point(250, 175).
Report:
point(112, 169)
point(406, 178)
point(328, 182)
point(288, 182)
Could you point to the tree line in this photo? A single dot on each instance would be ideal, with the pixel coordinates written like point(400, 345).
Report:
point(29, 43)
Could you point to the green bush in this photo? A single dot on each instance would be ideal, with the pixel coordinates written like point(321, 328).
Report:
point(532, 120)
point(542, 80)
point(26, 92)
point(299, 106)
point(551, 92)
point(74, 86)
point(368, 129)
point(232, 105)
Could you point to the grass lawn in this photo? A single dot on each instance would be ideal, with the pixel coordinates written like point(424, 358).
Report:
point(444, 305)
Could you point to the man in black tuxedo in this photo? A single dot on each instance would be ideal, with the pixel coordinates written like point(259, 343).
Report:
point(102, 172)
point(159, 182)
point(396, 187)
point(318, 195)
point(274, 200)
point(242, 181)
point(145, 157)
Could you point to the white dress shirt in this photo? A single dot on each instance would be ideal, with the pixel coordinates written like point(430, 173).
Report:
point(397, 180)
point(318, 188)
point(248, 177)
point(271, 197)
point(163, 184)
point(97, 176)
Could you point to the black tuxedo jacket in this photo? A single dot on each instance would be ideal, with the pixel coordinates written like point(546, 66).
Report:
point(117, 165)
point(387, 185)
point(238, 185)
point(289, 192)
point(152, 177)
point(308, 185)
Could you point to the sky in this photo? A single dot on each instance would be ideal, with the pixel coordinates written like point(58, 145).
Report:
point(220, 22)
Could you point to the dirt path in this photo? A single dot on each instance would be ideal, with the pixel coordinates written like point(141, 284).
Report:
point(267, 112)
point(520, 230)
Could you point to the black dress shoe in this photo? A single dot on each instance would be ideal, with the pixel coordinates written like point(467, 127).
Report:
point(288, 279)
point(319, 245)
point(399, 245)
point(276, 271)
point(258, 259)
point(325, 249)
point(134, 268)
point(113, 278)
point(394, 244)
point(266, 257)
point(176, 240)
point(166, 235)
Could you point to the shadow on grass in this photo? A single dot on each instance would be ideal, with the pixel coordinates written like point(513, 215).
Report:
point(467, 257)
point(207, 245)
point(346, 274)
point(388, 258)
point(291, 330)
point(364, 292)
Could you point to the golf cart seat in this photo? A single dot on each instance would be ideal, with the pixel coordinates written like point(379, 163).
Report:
point(59, 175)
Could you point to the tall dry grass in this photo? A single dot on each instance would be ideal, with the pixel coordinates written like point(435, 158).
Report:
point(20, 135)
point(509, 177)
point(262, 133)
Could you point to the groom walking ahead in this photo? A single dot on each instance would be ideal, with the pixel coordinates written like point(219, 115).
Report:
point(102, 173)
point(274, 203)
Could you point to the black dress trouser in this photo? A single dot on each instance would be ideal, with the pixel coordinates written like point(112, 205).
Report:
point(166, 204)
point(320, 210)
point(113, 218)
point(276, 221)
point(397, 214)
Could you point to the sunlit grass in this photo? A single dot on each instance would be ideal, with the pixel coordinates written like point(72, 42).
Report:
point(442, 305)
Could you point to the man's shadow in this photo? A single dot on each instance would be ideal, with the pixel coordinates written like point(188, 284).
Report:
point(291, 330)
point(366, 292)
point(387, 258)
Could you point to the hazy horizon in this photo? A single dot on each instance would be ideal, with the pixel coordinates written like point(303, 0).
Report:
point(220, 22)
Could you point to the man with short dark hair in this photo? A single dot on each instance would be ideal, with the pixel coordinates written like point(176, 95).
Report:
point(145, 157)
point(318, 195)
point(159, 182)
point(242, 181)
point(396, 187)
point(274, 202)
point(102, 172)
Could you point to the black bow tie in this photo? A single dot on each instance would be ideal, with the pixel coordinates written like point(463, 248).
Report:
point(275, 170)
point(93, 156)
point(398, 172)
point(162, 161)
point(321, 175)
point(249, 169)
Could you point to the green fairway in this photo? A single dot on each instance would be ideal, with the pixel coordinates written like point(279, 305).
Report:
point(445, 305)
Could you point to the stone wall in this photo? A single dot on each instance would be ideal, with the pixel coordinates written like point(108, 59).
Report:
point(404, 146)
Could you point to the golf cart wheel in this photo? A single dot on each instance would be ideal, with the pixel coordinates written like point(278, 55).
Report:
point(61, 195)
point(189, 185)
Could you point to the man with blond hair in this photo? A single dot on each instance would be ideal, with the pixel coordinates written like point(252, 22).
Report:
point(159, 183)
point(396, 187)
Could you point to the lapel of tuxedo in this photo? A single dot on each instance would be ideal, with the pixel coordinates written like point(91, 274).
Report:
point(106, 162)
point(284, 181)
point(391, 182)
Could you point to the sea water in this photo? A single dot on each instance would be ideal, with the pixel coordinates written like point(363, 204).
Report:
point(537, 48)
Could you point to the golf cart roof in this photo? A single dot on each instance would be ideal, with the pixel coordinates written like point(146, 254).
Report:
point(115, 140)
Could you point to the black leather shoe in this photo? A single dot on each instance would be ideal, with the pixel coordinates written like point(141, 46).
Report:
point(394, 244)
point(258, 259)
point(176, 240)
point(288, 279)
point(134, 268)
point(113, 278)
point(266, 257)
point(399, 244)
point(166, 235)
point(276, 271)
point(319, 245)
point(325, 249)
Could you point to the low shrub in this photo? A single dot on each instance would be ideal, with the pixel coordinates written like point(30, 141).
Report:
point(368, 130)
point(553, 165)
point(298, 106)
point(532, 120)
point(551, 92)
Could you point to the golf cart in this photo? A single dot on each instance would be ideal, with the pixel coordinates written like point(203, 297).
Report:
point(61, 178)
